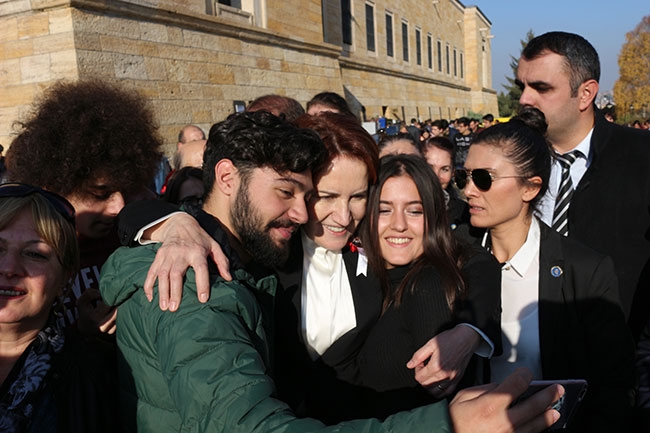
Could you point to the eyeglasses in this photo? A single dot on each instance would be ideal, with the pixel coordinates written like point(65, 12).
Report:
point(60, 204)
point(481, 177)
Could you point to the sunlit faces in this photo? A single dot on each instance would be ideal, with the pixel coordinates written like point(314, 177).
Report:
point(401, 222)
point(545, 85)
point(506, 202)
point(268, 208)
point(338, 203)
point(30, 274)
point(399, 147)
point(96, 208)
point(440, 162)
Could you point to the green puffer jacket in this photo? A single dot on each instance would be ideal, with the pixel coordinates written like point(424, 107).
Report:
point(204, 368)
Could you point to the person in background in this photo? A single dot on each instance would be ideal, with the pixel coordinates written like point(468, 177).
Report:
point(185, 187)
point(561, 315)
point(488, 120)
point(399, 143)
point(329, 102)
point(97, 145)
point(462, 139)
point(278, 105)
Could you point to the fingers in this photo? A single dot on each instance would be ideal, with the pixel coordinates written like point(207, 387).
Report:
point(535, 411)
point(423, 354)
point(222, 262)
point(202, 281)
point(107, 325)
point(512, 387)
point(473, 392)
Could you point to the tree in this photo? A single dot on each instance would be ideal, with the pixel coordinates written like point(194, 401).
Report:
point(632, 89)
point(509, 101)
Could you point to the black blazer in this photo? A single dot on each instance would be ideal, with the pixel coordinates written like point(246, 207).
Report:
point(610, 211)
point(323, 388)
point(582, 330)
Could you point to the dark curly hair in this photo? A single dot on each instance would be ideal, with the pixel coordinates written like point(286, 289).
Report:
point(80, 131)
point(260, 139)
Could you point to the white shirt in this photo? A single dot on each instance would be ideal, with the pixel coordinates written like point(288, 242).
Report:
point(546, 205)
point(520, 310)
point(327, 304)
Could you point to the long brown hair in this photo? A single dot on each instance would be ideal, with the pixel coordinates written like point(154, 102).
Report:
point(439, 247)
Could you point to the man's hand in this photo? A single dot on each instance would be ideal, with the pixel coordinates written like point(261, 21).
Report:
point(94, 315)
point(440, 364)
point(487, 408)
point(184, 244)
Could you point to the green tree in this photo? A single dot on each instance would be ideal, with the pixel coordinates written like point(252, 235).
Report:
point(632, 89)
point(509, 100)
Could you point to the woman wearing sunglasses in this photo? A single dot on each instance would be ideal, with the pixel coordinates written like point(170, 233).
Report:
point(561, 315)
point(47, 383)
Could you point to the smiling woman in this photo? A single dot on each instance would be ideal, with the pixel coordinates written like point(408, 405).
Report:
point(38, 255)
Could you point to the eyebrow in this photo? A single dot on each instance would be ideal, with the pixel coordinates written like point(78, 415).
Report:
point(408, 203)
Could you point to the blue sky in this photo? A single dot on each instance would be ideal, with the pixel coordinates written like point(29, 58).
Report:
point(604, 23)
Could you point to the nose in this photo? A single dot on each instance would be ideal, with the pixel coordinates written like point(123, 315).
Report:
point(526, 97)
point(341, 214)
point(470, 189)
point(10, 265)
point(298, 212)
point(398, 221)
point(115, 203)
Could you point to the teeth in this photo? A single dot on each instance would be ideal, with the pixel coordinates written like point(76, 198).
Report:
point(335, 229)
point(10, 292)
point(399, 241)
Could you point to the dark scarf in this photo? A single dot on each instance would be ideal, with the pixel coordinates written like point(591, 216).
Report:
point(27, 379)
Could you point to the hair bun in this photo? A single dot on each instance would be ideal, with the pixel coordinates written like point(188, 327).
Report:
point(532, 118)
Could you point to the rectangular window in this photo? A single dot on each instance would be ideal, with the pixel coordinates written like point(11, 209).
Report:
point(447, 58)
point(370, 27)
point(429, 52)
point(346, 21)
point(462, 69)
point(389, 35)
point(418, 46)
point(439, 53)
point(405, 41)
point(455, 64)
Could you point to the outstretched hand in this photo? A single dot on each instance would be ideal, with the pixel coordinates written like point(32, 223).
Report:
point(184, 244)
point(487, 408)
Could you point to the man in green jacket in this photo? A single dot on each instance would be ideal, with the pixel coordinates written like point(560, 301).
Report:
point(206, 368)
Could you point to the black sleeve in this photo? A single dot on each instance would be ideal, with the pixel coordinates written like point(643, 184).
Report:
point(138, 214)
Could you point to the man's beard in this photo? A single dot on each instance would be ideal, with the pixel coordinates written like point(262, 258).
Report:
point(255, 237)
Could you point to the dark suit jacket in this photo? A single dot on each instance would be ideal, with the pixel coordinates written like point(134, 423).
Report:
point(610, 211)
point(582, 330)
point(321, 389)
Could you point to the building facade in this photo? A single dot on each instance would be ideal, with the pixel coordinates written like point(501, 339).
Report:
point(196, 59)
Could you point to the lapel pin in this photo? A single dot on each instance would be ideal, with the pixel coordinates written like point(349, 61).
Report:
point(556, 271)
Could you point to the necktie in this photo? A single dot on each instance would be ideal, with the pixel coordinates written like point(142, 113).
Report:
point(564, 193)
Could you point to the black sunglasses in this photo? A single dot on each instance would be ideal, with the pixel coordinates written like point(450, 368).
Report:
point(60, 204)
point(481, 177)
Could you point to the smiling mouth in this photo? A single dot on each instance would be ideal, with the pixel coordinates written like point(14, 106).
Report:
point(335, 229)
point(12, 293)
point(398, 241)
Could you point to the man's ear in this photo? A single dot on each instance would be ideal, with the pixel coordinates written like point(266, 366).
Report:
point(532, 188)
point(587, 92)
point(226, 176)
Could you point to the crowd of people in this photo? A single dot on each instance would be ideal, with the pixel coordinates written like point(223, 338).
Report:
point(290, 272)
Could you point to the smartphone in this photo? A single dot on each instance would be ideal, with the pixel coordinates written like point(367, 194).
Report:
point(574, 392)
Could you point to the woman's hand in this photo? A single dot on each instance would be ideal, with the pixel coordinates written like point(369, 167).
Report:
point(184, 244)
point(94, 316)
point(440, 363)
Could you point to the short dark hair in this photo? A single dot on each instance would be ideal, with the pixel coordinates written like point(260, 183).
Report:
point(388, 139)
point(463, 121)
point(581, 58)
point(79, 131)
point(282, 106)
point(260, 139)
point(440, 248)
point(332, 100)
point(488, 117)
point(440, 124)
point(343, 136)
point(523, 143)
point(442, 143)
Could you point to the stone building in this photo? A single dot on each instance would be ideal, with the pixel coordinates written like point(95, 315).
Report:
point(196, 60)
